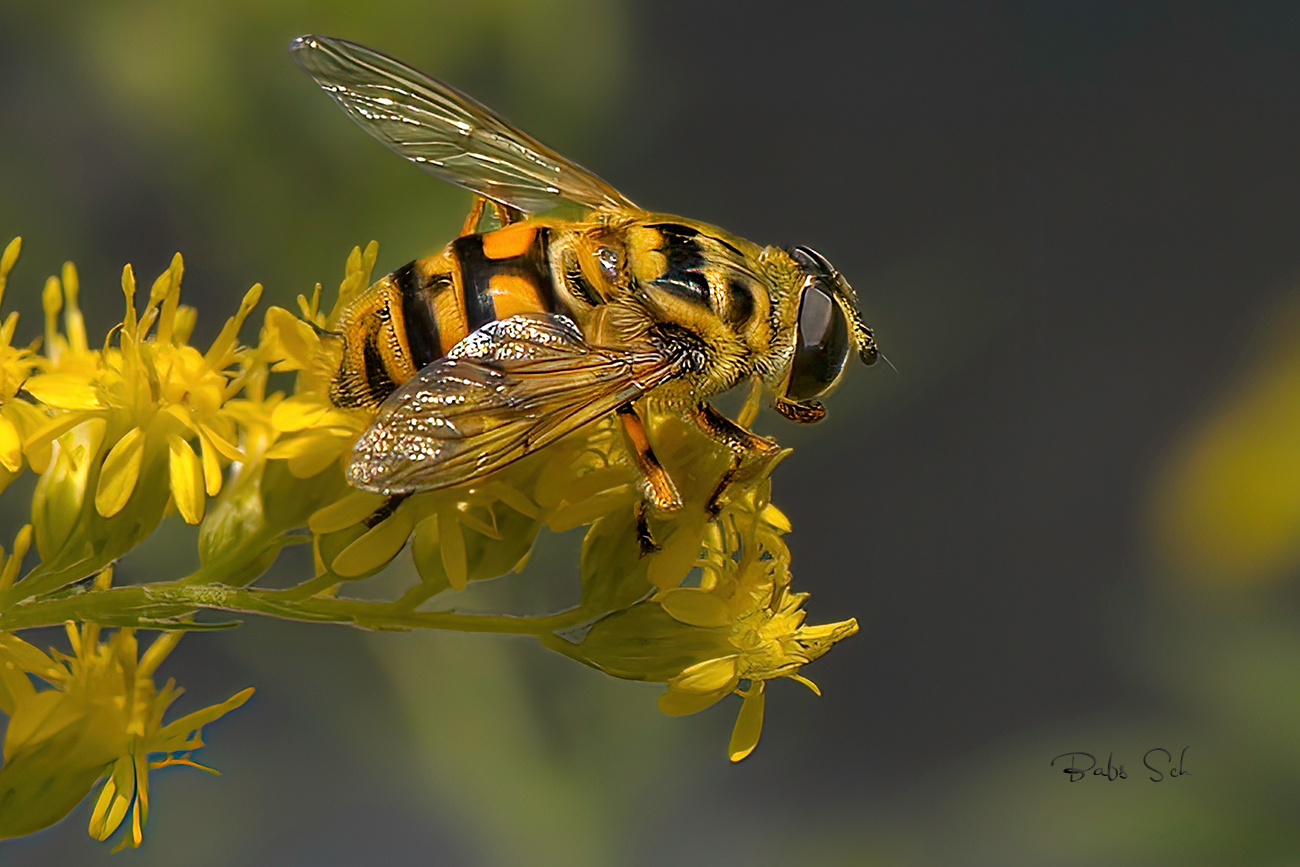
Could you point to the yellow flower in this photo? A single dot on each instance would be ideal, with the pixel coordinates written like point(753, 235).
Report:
point(115, 446)
point(741, 623)
point(121, 433)
point(476, 531)
point(1225, 508)
point(770, 641)
point(16, 365)
point(102, 716)
point(315, 435)
point(764, 621)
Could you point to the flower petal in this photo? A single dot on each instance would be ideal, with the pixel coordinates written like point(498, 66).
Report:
point(669, 566)
point(186, 480)
point(341, 514)
point(799, 678)
point(514, 498)
point(749, 724)
point(376, 547)
point(114, 799)
point(11, 446)
point(64, 391)
point(298, 413)
point(677, 702)
point(568, 516)
point(696, 607)
point(40, 442)
point(774, 517)
point(118, 476)
point(211, 465)
point(141, 812)
point(8, 258)
point(22, 542)
point(297, 341)
point(306, 466)
point(16, 653)
point(451, 542)
point(707, 676)
point(310, 453)
point(228, 450)
point(172, 736)
point(478, 525)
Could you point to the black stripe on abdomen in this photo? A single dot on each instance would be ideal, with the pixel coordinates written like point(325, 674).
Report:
point(417, 315)
point(477, 271)
point(378, 382)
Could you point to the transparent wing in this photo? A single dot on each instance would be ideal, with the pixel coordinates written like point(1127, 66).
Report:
point(511, 388)
point(446, 132)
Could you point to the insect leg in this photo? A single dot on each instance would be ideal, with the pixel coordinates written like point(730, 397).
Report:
point(740, 440)
point(378, 516)
point(713, 506)
point(475, 214)
point(807, 412)
point(658, 487)
point(643, 536)
point(721, 429)
point(505, 214)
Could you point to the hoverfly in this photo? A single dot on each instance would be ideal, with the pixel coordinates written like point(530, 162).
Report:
point(509, 339)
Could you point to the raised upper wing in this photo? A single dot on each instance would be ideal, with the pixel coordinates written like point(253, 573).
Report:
point(508, 389)
point(448, 133)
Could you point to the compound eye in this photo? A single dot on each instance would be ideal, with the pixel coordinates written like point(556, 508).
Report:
point(822, 345)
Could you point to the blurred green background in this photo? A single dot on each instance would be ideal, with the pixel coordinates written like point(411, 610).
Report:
point(1070, 522)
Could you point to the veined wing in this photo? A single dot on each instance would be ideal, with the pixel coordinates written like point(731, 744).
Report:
point(448, 133)
point(505, 391)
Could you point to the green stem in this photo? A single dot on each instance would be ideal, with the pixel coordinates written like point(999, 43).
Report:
point(44, 579)
point(169, 604)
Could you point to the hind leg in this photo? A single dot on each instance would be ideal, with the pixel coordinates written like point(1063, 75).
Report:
point(505, 215)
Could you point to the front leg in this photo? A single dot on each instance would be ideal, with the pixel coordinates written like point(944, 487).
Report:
point(741, 441)
point(719, 428)
point(644, 538)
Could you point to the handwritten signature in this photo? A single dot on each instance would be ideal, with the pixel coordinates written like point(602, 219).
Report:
point(1114, 772)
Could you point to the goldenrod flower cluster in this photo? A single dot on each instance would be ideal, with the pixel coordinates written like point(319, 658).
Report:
point(123, 432)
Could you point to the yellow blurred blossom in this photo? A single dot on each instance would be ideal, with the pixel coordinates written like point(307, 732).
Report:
point(1227, 505)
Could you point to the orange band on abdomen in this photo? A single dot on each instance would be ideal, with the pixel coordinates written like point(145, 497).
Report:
point(512, 295)
point(509, 242)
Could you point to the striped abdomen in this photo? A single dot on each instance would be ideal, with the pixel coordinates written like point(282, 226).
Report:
point(415, 315)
